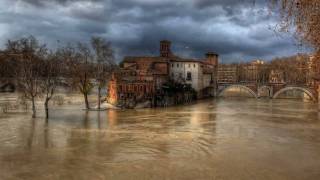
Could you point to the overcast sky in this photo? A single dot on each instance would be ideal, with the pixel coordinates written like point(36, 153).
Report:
point(238, 30)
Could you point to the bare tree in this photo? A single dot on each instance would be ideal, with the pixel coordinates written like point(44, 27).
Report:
point(104, 63)
point(50, 78)
point(29, 54)
point(80, 68)
point(304, 15)
point(84, 71)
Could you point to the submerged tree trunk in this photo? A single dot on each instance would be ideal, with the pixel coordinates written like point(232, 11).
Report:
point(99, 97)
point(46, 107)
point(86, 100)
point(33, 107)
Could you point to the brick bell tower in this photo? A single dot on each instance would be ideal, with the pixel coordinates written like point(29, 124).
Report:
point(165, 48)
point(212, 58)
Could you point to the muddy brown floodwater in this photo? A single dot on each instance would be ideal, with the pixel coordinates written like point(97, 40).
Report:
point(216, 139)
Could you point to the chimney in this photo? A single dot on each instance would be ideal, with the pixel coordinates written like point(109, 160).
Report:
point(165, 50)
point(212, 58)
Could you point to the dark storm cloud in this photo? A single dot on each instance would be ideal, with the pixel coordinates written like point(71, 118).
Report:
point(236, 29)
point(46, 2)
point(225, 3)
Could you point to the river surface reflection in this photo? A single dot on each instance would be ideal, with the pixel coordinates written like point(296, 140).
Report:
point(216, 139)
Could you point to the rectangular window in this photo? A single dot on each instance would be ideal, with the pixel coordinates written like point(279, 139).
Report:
point(194, 65)
point(177, 65)
point(189, 65)
point(189, 76)
point(172, 65)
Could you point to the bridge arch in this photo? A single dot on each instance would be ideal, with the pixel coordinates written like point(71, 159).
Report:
point(250, 91)
point(305, 90)
point(266, 89)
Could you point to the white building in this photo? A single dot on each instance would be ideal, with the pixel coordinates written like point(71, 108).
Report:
point(200, 74)
point(187, 71)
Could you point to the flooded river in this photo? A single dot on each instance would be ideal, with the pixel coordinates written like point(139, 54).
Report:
point(215, 139)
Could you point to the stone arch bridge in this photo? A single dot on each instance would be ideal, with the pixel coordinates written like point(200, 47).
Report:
point(268, 90)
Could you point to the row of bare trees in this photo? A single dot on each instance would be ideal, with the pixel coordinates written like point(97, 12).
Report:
point(38, 70)
point(294, 70)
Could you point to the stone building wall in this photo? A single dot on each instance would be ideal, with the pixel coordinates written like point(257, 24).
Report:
point(180, 71)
